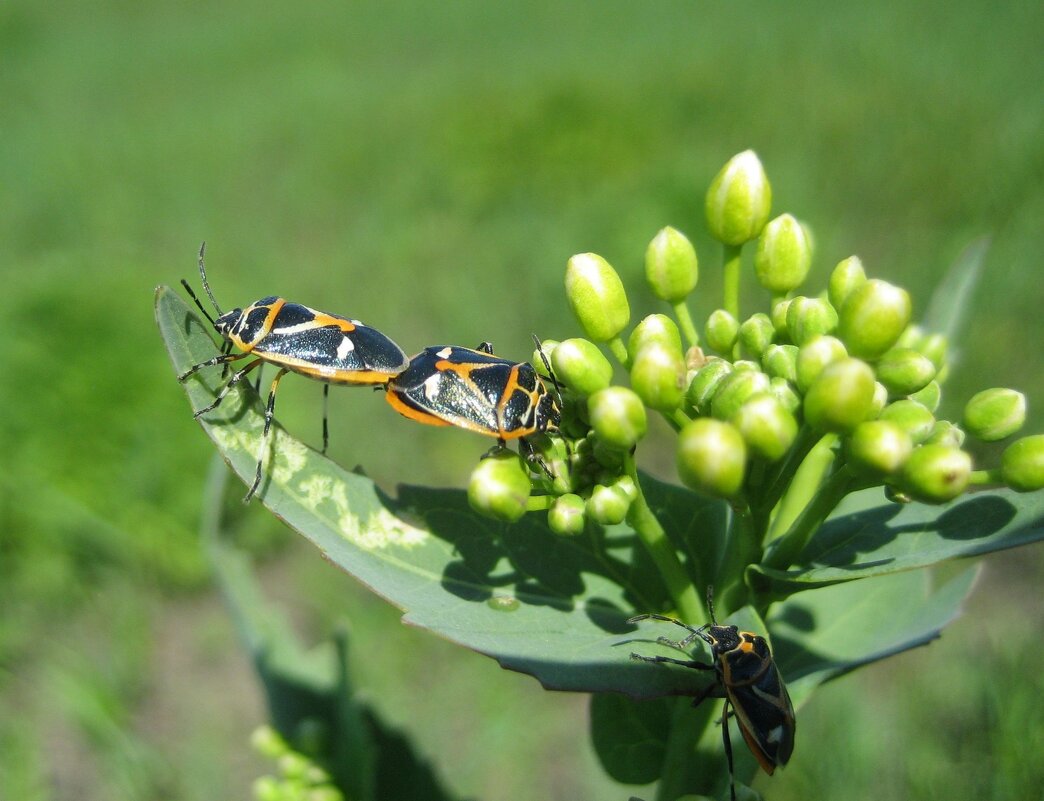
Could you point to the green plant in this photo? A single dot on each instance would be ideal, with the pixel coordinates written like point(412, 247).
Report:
point(812, 458)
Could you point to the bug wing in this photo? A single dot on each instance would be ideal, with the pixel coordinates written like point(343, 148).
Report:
point(766, 718)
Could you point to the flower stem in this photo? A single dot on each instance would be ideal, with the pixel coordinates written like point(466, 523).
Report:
point(731, 294)
point(782, 552)
point(619, 350)
point(804, 484)
point(686, 599)
point(688, 328)
point(538, 503)
point(985, 477)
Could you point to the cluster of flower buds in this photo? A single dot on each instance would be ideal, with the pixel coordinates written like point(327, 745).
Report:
point(300, 777)
point(844, 366)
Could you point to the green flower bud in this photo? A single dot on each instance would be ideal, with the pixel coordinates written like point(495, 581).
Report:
point(656, 328)
point(780, 361)
point(994, 414)
point(739, 200)
point(755, 334)
point(878, 448)
point(721, 331)
point(873, 317)
point(608, 505)
point(880, 400)
point(658, 376)
point(326, 793)
point(607, 456)
point(626, 485)
point(596, 296)
point(934, 347)
point(581, 366)
point(914, 418)
point(912, 337)
point(670, 265)
point(712, 457)
point(778, 315)
point(268, 742)
point(808, 318)
point(783, 391)
point(936, 473)
point(928, 396)
point(1022, 464)
point(846, 276)
point(705, 384)
point(814, 356)
point(500, 486)
point(567, 514)
point(945, 433)
point(841, 398)
point(783, 256)
point(746, 364)
point(617, 417)
point(735, 390)
point(904, 371)
point(767, 427)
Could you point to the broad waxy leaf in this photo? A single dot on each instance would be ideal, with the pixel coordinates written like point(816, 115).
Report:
point(869, 536)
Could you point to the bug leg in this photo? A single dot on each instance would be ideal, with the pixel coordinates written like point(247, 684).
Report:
point(531, 456)
point(689, 663)
point(727, 742)
point(236, 377)
point(269, 414)
point(326, 407)
point(257, 380)
point(485, 347)
point(224, 358)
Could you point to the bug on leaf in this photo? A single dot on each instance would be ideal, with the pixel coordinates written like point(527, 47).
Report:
point(294, 338)
point(749, 681)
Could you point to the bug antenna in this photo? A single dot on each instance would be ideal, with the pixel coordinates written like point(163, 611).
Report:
point(192, 295)
point(710, 603)
point(203, 275)
point(547, 366)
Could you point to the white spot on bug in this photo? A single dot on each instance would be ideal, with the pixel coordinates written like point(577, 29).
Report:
point(445, 353)
point(431, 386)
point(775, 735)
point(357, 323)
point(346, 347)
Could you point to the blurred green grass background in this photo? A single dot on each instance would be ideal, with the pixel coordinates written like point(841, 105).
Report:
point(429, 168)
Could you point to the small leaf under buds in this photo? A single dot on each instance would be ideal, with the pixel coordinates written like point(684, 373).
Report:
point(671, 266)
point(712, 457)
point(596, 295)
point(783, 256)
point(739, 200)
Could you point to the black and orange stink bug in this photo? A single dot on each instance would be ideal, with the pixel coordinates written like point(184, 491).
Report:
point(748, 680)
point(295, 338)
point(447, 385)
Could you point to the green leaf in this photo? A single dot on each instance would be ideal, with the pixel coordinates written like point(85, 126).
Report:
point(821, 635)
point(868, 536)
point(306, 690)
point(553, 607)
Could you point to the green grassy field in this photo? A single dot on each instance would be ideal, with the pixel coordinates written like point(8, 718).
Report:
point(429, 168)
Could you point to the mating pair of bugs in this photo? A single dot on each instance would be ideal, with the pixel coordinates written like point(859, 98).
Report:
point(443, 385)
point(747, 678)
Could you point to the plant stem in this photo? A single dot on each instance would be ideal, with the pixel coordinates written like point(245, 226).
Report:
point(803, 485)
point(731, 280)
point(688, 329)
point(686, 599)
point(619, 350)
point(777, 481)
point(782, 552)
point(985, 477)
point(539, 503)
point(741, 549)
point(688, 725)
